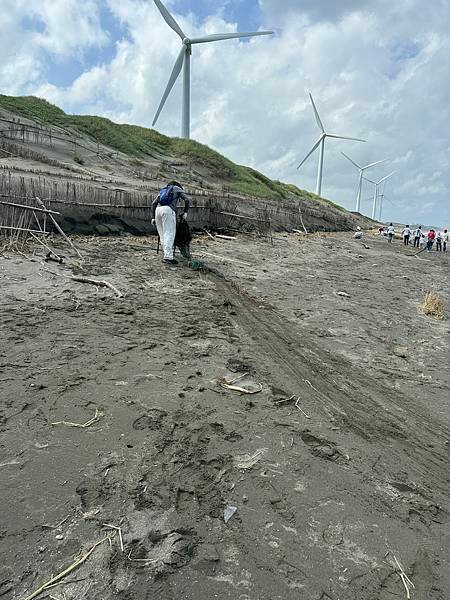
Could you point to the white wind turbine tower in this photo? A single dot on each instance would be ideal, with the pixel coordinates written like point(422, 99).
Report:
point(184, 62)
point(361, 175)
point(321, 142)
point(375, 195)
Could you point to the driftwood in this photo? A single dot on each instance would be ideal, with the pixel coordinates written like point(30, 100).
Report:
point(81, 279)
point(225, 237)
point(99, 282)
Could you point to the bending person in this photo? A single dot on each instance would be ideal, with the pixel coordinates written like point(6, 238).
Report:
point(164, 214)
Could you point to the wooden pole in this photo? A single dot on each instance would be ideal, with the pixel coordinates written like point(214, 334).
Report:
point(59, 228)
point(33, 208)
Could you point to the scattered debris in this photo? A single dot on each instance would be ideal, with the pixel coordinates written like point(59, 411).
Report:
point(251, 387)
point(248, 461)
point(229, 512)
point(69, 569)
point(225, 237)
point(98, 415)
point(343, 294)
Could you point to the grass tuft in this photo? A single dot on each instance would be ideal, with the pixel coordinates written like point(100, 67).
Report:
point(432, 305)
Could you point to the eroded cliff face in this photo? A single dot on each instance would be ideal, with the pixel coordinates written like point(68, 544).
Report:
point(99, 190)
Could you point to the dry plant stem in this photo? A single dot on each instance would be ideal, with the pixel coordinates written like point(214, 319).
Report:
point(402, 571)
point(69, 569)
point(119, 531)
point(302, 411)
point(94, 419)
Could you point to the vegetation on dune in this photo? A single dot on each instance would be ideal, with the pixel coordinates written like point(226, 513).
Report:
point(140, 142)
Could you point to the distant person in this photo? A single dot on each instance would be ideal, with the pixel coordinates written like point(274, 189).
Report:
point(390, 233)
point(406, 233)
point(445, 240)
point(422, 242)
point(439, 242)
point(417, 233)
point(380, 230)
point(164, 214)
point(358, 234)
point(430, 239)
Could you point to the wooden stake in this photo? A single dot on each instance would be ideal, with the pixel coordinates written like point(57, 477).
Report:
point(59, 228)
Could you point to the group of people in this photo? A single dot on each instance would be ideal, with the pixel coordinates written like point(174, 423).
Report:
point(442, 238)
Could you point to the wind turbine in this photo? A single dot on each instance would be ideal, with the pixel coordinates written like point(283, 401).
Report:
point(321, 142)
point(361, 174)
point(183, 61)
point(375, 195)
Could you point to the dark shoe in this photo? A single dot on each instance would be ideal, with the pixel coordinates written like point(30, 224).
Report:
point(171, 261)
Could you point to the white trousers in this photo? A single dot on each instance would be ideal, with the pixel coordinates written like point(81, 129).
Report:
point(166, 224)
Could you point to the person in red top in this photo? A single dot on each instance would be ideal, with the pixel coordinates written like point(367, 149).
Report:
point(431, 235)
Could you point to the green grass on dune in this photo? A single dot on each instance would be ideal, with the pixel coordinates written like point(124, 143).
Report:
point(139, 142)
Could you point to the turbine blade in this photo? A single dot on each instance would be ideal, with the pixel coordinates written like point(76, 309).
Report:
point(316, 114)
point(353, 162)
point(316, 145)
point(375, 163)
point(343, 137)
point(169, 19)
point(217, 37)
point(387, 177)
point(369, 180)
point(173, 77)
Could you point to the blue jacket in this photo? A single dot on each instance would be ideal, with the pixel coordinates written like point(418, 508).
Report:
point(177, 194)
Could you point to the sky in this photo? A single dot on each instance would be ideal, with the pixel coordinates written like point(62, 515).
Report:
point(378, 70)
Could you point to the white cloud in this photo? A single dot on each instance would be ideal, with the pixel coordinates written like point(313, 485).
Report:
point(378, 70)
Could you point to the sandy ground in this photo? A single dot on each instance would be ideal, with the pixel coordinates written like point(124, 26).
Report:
point(335, 491)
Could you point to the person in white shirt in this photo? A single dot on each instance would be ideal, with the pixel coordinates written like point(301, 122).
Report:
point(417, 236)
point(406, 233)
point(438, 241)
point(390, 233)
point(445, 240)
point(422, 242)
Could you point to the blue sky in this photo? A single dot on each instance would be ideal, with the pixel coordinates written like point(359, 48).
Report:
point(377, 69)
